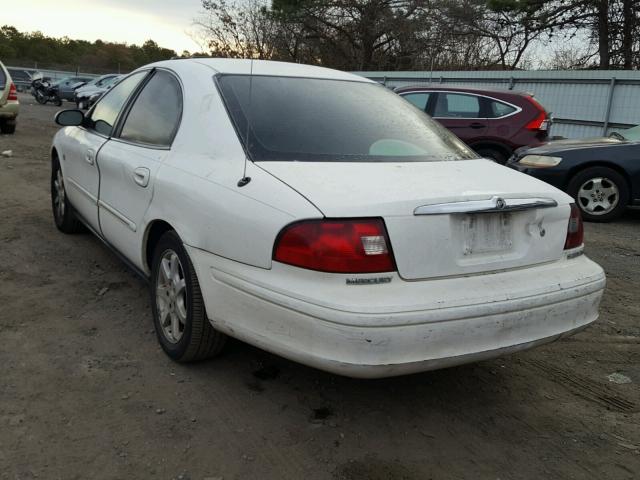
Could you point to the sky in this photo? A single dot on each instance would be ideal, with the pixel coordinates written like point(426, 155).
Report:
point(124, 21)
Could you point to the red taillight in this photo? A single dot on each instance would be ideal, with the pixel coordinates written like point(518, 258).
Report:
point(575, 229)
point(13, 92)
point(540, 122)
point(336, 246)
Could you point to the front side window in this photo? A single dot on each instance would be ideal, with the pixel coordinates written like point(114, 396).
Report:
point(456, 105)
point(419, 99)
point(104, 115)
point(322, 120)
point(155, 115)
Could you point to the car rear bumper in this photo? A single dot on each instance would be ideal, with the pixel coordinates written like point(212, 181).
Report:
point(400, 327)
point(9, 110)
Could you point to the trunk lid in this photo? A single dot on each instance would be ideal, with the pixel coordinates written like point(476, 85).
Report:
point(444, 244)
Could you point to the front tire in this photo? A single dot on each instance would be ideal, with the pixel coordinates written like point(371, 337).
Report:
point(601, 193)
point(41, 98)
point(63, 213)
point(182, 326)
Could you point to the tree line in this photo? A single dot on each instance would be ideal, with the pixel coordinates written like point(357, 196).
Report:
point(28, 49)
point(376, 35)
point(427, 34)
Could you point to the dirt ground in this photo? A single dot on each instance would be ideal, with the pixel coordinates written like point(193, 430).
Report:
point(86, 392)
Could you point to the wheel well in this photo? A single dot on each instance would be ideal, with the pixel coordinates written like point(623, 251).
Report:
point(54, 154)
point(579, 168)
point(154, 232)
point(506, 151)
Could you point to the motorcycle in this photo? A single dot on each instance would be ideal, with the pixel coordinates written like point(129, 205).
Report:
point(44, 92)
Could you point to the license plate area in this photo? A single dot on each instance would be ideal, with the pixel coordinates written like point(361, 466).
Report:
point(484, 233)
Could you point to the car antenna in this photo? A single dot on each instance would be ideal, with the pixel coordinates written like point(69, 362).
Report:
point(245, 180)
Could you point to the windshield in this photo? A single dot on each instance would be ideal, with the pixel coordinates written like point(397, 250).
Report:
point(632, 134)
point(110, 81)
point(308, 119)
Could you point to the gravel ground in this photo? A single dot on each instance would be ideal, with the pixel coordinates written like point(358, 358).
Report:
point(85, 391)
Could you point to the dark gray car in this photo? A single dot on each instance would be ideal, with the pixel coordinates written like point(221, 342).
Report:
point(67, 86)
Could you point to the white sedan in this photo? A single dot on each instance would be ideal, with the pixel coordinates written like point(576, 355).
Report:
point(319, 216)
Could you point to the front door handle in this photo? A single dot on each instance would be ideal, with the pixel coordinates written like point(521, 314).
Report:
point(476, 125)
point(90, 157)
point(141, 176)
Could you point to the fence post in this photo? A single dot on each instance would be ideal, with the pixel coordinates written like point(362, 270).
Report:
point(607, 114)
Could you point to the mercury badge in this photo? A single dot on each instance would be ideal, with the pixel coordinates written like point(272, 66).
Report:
point(500, 203)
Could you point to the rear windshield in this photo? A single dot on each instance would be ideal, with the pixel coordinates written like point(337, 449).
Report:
point(307, 119)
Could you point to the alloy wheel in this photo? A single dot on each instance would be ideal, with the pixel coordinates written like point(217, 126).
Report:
point(171, 297)
point(598, 196)
point(59, 196)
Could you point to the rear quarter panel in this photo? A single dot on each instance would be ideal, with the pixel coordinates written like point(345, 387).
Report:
point(197, 192)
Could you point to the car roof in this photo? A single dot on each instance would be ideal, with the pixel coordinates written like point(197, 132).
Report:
point(260, 67)
point(479, 91)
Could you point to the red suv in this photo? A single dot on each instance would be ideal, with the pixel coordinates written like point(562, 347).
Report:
point(492, 122)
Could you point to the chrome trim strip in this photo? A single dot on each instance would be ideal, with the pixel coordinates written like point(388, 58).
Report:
point(494, 204)
point(118, 215)
point(82, 190)
point(427, 90)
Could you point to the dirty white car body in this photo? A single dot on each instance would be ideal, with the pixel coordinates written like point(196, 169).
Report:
point(477, 251)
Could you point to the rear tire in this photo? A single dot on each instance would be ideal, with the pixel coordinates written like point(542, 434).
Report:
point(8, 127)
point(493, 154)
point(63, 213)
point(601, 193)
point(181, 322)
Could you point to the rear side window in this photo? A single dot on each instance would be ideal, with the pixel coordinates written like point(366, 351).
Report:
point(419, 99)
point(155, 115)
point(3, 79)
point(104, 115)
point(456, 105)
point(499, 109)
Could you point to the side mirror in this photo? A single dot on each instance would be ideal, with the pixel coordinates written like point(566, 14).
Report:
point(69, 118)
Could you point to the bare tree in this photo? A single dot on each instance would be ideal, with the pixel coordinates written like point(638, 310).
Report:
point(237, 30)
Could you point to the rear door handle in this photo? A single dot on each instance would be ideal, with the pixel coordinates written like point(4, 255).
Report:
point(476, 125)
point(141, 176)
point(90, 157)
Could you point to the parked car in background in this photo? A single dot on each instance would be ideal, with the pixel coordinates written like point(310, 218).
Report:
point(601, 174)
point(492, 122)
point(319, 216)
point(66, 86)
point(9, 105)
point(90, 87)
point(21, 78)
point(87, 95)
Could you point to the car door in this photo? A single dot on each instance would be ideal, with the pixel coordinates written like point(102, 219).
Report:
point(462, 114)
point(82, 144)
point(130, 161)
point(64, 88)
